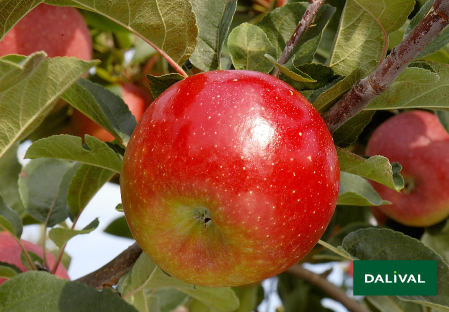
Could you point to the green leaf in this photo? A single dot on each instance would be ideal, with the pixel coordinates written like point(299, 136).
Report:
point(359, 37)
point(385, 244)
point(376, 168)
point(290, 71)
point(158, 84)
point(119, 227)
point(169, 299)
point(11, 12)
point(10, 220)
point(320, 76)
point(11, 73)
point(22, 110)
point(43, 188)
point(217, 299)
point(392, 304)
point(170, 26)
point(350, 130)
point(86, 182)
point(41, 291)
point(7, 272)
point(214, 19)
point(416, 88)
point(103, 107)
point(356, 191)
point(334, 93)
point(70, 148)
point(443, 116)
point(34, 259)
point(247, 46)
point(437, 238)
point(60, 236)
point(10, 168)
point(280, 24)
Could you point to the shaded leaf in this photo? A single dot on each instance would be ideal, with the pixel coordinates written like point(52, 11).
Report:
point(167, 24)
point(103, 107)
point(247, 46)
point(86, 182)
point(33, 257)
point(22, 111)
point(392, 304)
point(385, 244)
point(437, 238)
point(41, 291)
point(214, 19)
point(11, 12)
point(359, 37)
point(351, 129)
point(356, 191)
point(376, 168)
point(119, 227)
point(43, 188)
point(7, 272)
point(10, 220)
point(60, 236)
point(158, 84)
point(70, 148)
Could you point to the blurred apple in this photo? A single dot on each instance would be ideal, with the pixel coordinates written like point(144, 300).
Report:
point(137, 99)
point(59, 31)
point(418, 141)
point(10, 251)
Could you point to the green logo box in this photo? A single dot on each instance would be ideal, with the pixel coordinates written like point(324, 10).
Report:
point(395, 277)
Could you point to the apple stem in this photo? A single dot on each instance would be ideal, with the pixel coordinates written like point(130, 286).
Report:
point(109, 274)
point(302, 27)
point(361, 94)
point(332, 290)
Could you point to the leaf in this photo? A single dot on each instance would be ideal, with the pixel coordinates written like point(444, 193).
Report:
point(290, 71)
point(218, 299)
point(10, 220)
point(11, 73)
point(334, 93)
point(11, 13)
point(119, 227)
point(280, 24)
point(214, 19)
point(359, 37)
point(376, 168)
point(437, 238)
point(43, 188)
point(320, 76)
point(40, 291)
point(356, 191)
point(247, 46)
point(10, 168)
point(393, 304)
point(158, 84)
point(60, 236)
point(70, 148)
point(167, 24)
point(7, 272)
point(25, 103)
point(385, 244)
point(103, 107)
point(350, 130)
point(86, 182)
point(416, 88)
point(33, 257)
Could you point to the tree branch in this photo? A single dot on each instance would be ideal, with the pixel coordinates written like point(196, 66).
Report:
point(394, 64)
point(109, 274)
point(333, 291)
point(303, 25)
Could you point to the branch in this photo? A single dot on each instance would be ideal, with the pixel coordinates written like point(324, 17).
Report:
point(394, 64)
point(303, 25)
point(109, 274)
point(333, 291)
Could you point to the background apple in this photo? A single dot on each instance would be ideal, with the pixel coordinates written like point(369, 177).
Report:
point(59, 31)
point(229, 178)
point(418, 141)
point(137, 99)
point(10, 253)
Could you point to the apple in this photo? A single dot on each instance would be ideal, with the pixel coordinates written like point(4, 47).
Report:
point(134, 96)
point(10, 251)
point(229, 178)
point(418, 141)
point(59, 31)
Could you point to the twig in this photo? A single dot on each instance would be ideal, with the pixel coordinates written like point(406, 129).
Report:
point(333, 291)
point(303, 25)
point(109, 274)
point(394, 64)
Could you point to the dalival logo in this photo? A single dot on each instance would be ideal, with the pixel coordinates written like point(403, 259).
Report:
point(396, 278)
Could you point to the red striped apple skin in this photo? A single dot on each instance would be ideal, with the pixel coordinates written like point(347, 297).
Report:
point(230, 178)
point(418, 141)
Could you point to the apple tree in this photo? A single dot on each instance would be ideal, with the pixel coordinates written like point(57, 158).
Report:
point(357, 62)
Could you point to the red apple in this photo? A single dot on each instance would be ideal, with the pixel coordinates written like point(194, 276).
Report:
point(59, 31)
point(135, 97)
point(229, 178)
point(418, 141)
point(10, 251)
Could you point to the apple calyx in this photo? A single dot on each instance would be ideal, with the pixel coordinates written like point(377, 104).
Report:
point(203, 216)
